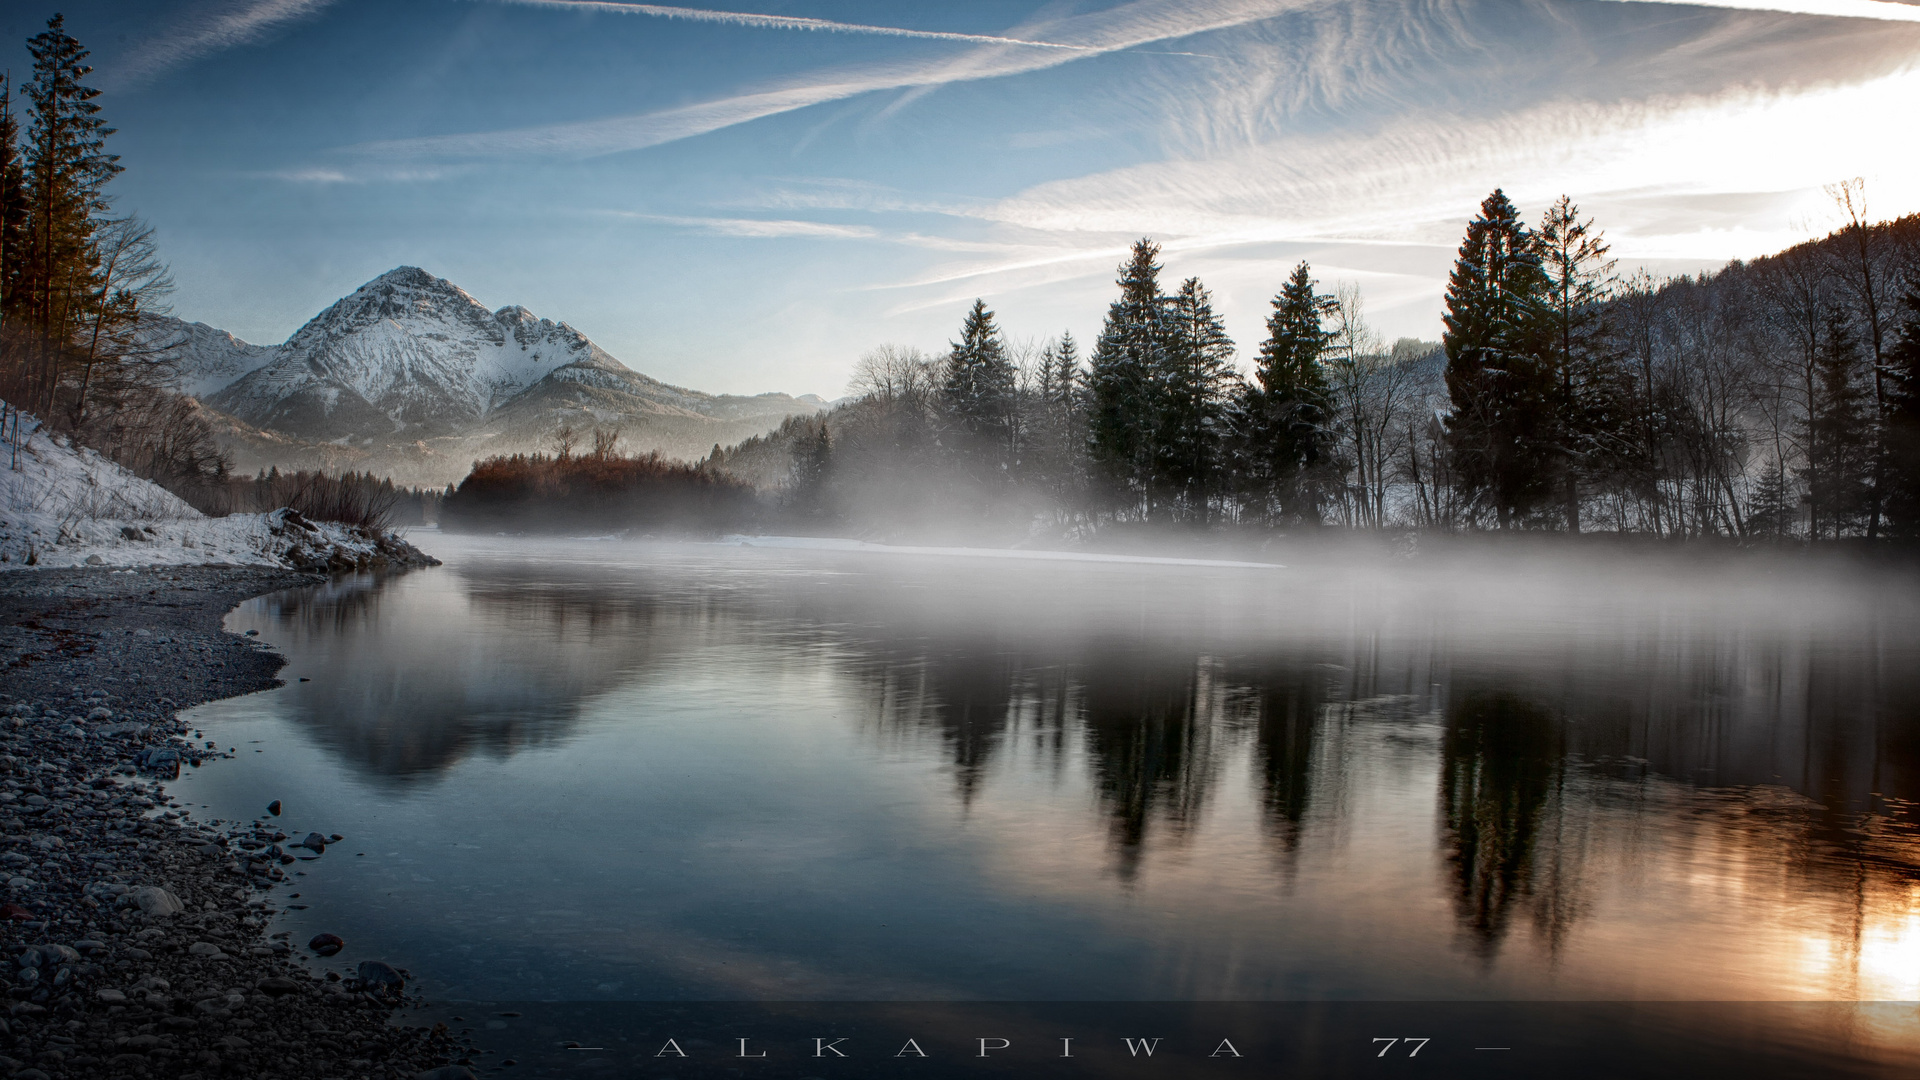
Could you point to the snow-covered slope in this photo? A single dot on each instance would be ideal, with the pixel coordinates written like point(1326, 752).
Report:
point(405, 351)
point(62, 505)
point(205, 359)
point(412, 355)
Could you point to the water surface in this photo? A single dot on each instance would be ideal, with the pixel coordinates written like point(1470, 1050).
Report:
point(599, 770)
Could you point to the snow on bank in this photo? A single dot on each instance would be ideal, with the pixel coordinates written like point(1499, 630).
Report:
point(823, 543)
point(62, 505)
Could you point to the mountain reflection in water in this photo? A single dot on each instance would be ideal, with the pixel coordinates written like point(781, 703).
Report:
point(1478, 778)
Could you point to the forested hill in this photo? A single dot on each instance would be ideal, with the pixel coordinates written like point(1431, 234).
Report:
point(1767, 398)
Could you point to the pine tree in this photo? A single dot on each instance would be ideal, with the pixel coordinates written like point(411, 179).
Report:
point(1064, 376)
point(13, 199)
point(65, 170)
point(1771, 513)
point(1121, 399)
point(1900, 499)
point(1591, 399)
point(1501, 429)
point(1287, 409)
point(1194, 385)
point(812, 468)
point(977, 394)
point(1838, 434)
point(1057, 436)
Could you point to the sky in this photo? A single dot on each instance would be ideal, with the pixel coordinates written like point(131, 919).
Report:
point(744, 200)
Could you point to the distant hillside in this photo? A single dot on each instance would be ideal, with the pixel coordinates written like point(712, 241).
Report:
point(411, 377)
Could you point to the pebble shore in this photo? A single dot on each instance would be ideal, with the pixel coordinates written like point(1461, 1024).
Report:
point(135, 941)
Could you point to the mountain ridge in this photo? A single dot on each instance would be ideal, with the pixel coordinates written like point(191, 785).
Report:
point(412, 376)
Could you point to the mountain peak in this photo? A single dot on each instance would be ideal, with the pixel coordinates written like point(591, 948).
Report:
point(409, 356)
point(408, 275)
point(411, 352)
point(413, 281)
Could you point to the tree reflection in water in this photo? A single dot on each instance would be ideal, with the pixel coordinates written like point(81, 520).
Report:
point(1502, 778)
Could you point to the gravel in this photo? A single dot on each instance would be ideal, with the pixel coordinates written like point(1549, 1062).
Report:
point(134, 939)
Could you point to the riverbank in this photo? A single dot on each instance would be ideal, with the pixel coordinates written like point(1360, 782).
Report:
point(134, 939)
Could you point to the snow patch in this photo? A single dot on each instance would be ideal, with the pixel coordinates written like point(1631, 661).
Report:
point(62, 505)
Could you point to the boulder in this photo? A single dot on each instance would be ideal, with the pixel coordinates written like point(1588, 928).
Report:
point(155, 900)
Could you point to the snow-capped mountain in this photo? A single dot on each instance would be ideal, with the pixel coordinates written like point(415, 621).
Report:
point(406, 352)
point(410, 360)
point(205, 359)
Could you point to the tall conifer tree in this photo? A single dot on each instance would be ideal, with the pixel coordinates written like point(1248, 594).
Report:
point(1289, 405)
point(1121, 392)
point(13, 199)
point(65, 171)
point(1900, 499)
point(1591, 400)
point(1839, 434)
point(1502, 388)
point(1057, 444)
point(977, 393)
point(1194, 384)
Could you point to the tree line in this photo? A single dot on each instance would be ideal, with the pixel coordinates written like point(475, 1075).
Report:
point(603, 489)
point(1773, 399)
point(75, 277)
point(349, 497)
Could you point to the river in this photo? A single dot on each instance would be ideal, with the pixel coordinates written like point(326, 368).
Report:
point(606, 771)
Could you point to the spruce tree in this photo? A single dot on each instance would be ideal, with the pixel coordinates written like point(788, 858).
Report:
point(1838, 434)
point(1287, 409)
point(977, 394)
point(1590, 392)
point(65, 171)
point(1195, 384)
point(1502, 426)
point(1770, 514)
point(1900, 492)
point(1064, 375)
point(1057, 436)
point(1122, 402)
point(812, 468)
point(13, 200)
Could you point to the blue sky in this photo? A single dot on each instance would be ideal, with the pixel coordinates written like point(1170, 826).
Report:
point(744, 205)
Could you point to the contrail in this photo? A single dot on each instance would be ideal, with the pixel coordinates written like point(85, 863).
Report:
point(788, 22)
point(240, 24)
point(1884, 10)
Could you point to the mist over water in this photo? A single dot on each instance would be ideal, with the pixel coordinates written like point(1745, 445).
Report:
point(609, 770)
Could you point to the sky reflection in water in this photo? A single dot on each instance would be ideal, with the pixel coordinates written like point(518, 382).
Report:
point(594, 770)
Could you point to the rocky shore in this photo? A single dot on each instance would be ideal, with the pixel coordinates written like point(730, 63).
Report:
point(135, 941)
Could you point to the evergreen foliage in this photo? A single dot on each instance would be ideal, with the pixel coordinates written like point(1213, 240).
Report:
point(1195, 388)
point(1123, 414)
point(74, 280)
point(1838, 435)
point(1901, 504)
point(1591, 392)
point(1056, 440)
point(13, 201)
point(1772, 513)
point(1502, 428)
point(977, 388)
point(58, 283)
point(1288, 408)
